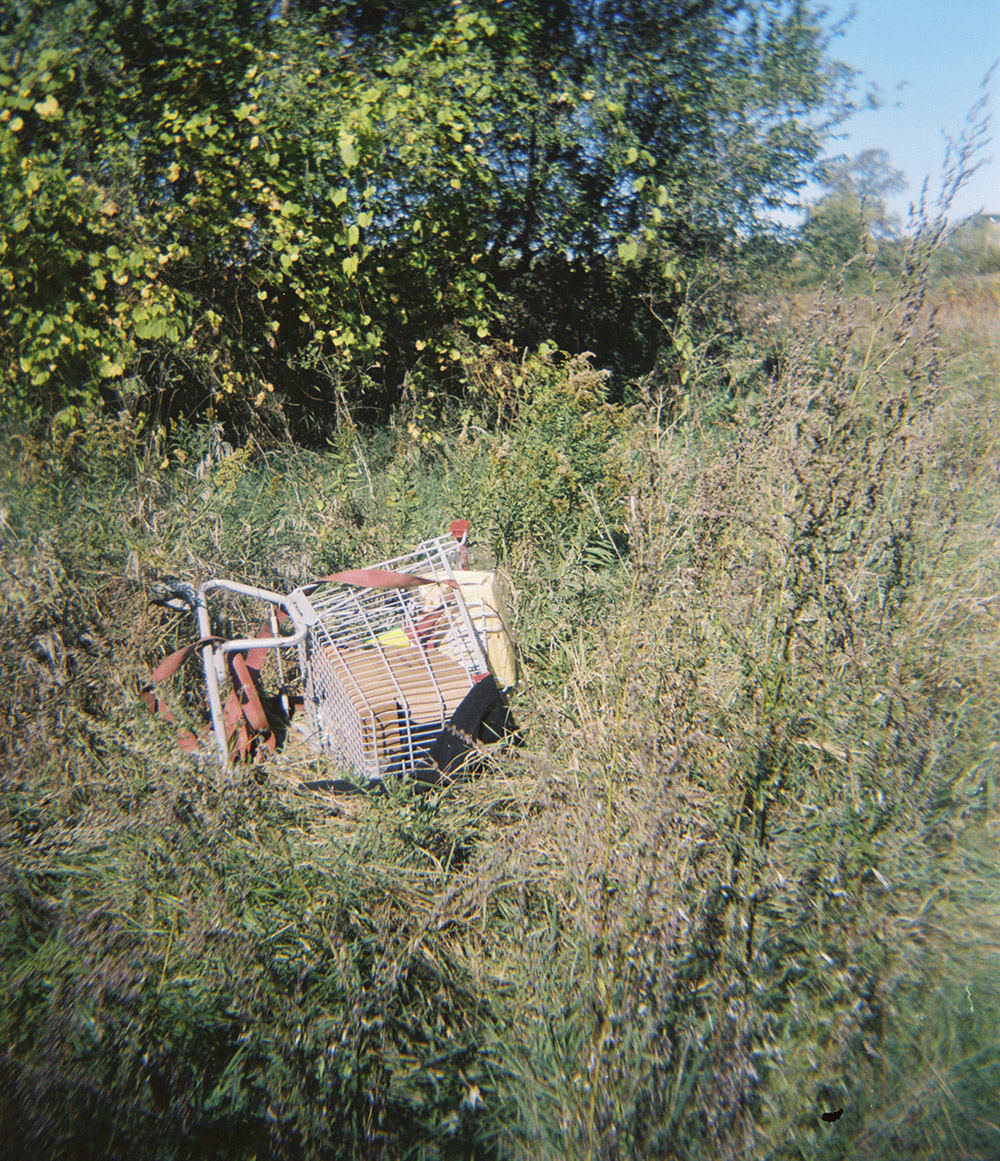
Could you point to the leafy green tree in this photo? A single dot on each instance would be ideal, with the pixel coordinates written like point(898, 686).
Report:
point(972, 247)
point(221, 205)
point(852, 215)
point(636, 137)
point(89, 302)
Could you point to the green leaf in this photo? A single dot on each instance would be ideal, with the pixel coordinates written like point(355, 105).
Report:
point(48, 109)
point(154, 328)
point(348, 152)
point(107, 369)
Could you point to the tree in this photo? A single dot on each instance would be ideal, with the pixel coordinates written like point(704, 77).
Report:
point(217, 207)
point(852, 215)
point(972, 247)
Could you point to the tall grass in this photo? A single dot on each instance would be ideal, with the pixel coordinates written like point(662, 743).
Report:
point(738, 876)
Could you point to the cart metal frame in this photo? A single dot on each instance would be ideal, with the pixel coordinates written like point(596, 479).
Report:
point(382, 669)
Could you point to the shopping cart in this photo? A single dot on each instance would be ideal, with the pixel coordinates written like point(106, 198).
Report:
point(385, 655)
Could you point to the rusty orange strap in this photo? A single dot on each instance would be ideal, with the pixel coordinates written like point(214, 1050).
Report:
point(382, 578)
point(186, 740)
point(245, 691)
point(244, 715)
point(169, 665)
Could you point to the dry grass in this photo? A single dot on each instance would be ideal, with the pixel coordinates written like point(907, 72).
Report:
point(738, 876)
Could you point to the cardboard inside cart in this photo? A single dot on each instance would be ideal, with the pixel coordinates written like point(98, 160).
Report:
point(485, 598)
point(402, 695)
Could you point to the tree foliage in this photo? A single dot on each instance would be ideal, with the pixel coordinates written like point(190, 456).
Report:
point(232, 204)
point(972, 247)
point(852, 215)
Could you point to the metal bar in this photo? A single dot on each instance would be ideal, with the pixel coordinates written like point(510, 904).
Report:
point(297, 609)
point(212, 680)
point(264, 642)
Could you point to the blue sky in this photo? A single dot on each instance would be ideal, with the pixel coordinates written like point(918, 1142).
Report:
point(928, 59)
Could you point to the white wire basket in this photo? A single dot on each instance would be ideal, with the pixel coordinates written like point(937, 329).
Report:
point(385, 669)
point(382, 669)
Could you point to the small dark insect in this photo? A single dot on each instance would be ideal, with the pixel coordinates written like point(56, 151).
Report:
point(834, 1116)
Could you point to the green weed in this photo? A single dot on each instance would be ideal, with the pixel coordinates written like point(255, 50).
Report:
point(738, 877)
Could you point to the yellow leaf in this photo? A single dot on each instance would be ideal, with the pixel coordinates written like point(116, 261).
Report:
point(173, 172)
point(109, 370)
point(48, 108)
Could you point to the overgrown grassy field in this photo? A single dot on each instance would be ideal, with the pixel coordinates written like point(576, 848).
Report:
point(741, 873)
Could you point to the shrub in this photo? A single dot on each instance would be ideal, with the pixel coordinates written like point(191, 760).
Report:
point(553, 466)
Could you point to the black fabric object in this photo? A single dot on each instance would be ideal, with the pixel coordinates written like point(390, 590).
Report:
point(482, 716)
